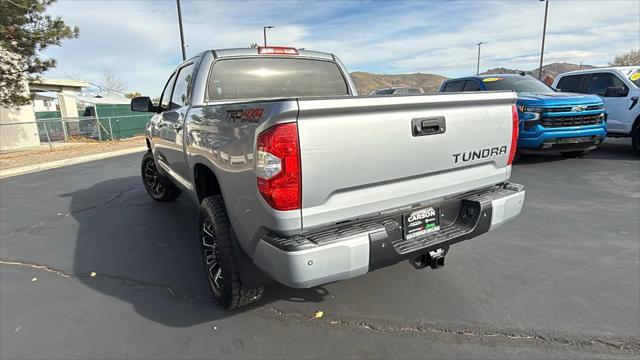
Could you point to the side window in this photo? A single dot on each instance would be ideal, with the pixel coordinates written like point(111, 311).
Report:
point(400, 92)
point(180, 97)
point(166, 93)
point(570, 83)
point(601, 81)
point(414, 91)
point(453, 86)
point(471, 85)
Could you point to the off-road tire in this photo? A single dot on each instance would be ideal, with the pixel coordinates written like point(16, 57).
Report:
point(574, 154)
point(159, 188)
point(232, 293)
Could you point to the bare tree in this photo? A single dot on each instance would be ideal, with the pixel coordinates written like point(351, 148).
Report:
point(74, 75)
point(132, 94)
point(253, 45)
point(631, 57)
point(110, 84)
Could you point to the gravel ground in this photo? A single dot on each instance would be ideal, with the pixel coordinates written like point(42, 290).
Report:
point(44, 154)
point(91, 267)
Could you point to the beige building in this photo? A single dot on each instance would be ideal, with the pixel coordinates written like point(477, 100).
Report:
point(44, 103)
point(67, 91)
point(18, 128)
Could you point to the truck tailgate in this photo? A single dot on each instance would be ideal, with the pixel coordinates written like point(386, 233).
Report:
point(361, 156)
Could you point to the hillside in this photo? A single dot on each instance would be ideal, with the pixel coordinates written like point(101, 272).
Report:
point(366, 82)
point(551, 69)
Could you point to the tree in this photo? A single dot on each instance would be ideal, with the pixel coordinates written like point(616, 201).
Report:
point(631, 57)
point(132, 94)
point(12, 82)
point(110, 84)
point(24, 32)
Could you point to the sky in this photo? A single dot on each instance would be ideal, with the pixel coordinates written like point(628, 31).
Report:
point(138, 41)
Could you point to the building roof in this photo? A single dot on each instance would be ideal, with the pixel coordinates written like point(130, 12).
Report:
point(61, 82)
point(57, 85)
point(42, 97)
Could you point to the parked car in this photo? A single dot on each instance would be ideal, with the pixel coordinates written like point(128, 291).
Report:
point(397, 91)
point(619, 87)
point(571, 124)
point(300, 181)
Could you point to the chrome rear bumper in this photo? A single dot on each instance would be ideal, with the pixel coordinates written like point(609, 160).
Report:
point(356, 248)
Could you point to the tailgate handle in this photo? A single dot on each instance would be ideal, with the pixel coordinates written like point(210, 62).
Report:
point(428, 126)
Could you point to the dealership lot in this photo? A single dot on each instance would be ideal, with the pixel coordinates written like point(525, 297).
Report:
point(91, 267)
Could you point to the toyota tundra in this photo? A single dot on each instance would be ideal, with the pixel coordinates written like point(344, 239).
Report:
point(300, 180)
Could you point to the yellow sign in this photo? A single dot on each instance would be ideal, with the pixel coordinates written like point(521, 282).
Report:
point(491, 79)
point(635, 76)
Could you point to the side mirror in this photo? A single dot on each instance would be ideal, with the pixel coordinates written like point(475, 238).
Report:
point(616, 91)
point(142, 104)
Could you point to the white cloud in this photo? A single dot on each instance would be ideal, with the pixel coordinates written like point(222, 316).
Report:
point(139, 42)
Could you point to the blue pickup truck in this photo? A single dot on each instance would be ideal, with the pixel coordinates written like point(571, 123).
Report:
point(571, 124)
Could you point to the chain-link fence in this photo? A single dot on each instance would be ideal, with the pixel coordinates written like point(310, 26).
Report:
point(53, 130)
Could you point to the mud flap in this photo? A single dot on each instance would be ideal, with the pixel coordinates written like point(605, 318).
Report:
point(250, 275)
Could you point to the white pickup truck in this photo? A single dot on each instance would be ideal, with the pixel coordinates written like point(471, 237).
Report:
point(619, 87)
point(301, 181)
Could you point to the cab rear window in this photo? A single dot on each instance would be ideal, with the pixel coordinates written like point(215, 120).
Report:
point(452, 86)
point(254, 78)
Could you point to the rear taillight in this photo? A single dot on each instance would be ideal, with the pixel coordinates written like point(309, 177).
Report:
point(278, 167)
point(514, 134)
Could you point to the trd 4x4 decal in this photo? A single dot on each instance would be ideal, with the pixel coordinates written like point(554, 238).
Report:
point(252, 115)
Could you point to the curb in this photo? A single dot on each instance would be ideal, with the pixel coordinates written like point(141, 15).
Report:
point(66, 162)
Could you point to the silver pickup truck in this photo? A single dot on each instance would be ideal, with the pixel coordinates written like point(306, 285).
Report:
point(301, 181)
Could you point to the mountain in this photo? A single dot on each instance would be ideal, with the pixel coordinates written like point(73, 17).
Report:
point(366, 82)
point(550, 69)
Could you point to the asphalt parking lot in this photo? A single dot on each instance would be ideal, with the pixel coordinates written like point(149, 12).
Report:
point(93, 268)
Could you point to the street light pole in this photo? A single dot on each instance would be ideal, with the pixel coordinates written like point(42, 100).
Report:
point(544, 32)
point(184, 53)
point(264, 30)
point(478, 67)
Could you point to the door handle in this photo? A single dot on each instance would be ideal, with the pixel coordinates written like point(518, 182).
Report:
point(428, 126)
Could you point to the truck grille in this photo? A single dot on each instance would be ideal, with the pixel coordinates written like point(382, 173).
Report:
point(579, 120)
point(568, 109)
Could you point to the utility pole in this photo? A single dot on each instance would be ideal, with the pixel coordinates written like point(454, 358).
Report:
point(182, 46)
point(264, 31)
point(544, 32)
point(478, 67)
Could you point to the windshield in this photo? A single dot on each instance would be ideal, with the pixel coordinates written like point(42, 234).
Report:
point(517, 83)
point(252, 78)
point(635, 77)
